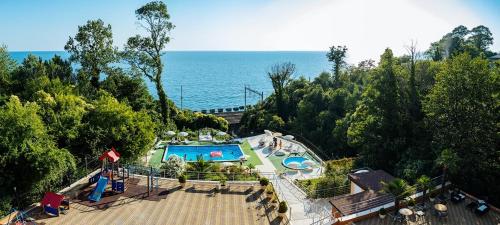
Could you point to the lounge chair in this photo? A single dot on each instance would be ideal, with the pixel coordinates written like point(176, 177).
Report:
point(187, 142)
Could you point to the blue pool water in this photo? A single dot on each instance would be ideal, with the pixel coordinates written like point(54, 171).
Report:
point(191, 152)
point(297, 159)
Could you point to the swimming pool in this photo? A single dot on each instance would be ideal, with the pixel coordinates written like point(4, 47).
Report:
point(298, 160)
point(191, 152)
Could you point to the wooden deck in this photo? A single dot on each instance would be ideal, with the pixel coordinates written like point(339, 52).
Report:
point(458, 214)
point(170, 205)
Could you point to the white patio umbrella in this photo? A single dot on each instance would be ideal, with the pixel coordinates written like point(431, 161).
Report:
point(308, 163)
point(221, 133)
point(183, 134)
point(294, 165)
point(277, 134)
point(170, 133)
point(288, 137)
point(268, 132)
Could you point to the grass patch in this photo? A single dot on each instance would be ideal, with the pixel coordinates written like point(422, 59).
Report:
point(247, 150)
point(155, 160)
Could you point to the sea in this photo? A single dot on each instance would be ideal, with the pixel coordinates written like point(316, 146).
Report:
point(207, 80)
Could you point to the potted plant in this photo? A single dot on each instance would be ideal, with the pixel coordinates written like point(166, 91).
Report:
point(432, 196)
point(182, 180)
point(411, 203)
point(263, 183)
point(382, 213)
point(222, 183)
point(282, 209)
point(269, 192)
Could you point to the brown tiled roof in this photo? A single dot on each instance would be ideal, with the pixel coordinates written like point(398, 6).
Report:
point(371, 180)
point(350, 204)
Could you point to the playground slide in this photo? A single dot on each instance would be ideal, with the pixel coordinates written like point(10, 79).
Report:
point(99, 189)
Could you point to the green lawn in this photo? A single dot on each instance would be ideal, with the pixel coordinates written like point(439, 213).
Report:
point(247, 150)
point(155, 160)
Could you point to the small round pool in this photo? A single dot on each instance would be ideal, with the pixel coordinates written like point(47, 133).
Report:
point(297, 160)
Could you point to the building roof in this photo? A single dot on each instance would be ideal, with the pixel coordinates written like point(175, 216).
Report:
point(371, 180)
point(354, 203)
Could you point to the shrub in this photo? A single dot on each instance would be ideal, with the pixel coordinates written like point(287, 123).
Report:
point(182, 178)
point(174, 165)
point(282, 207)
point(264, 181)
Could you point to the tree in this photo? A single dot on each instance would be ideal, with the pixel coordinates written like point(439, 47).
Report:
point(144, 53)
point(174, 165)
point(7, 65)
point(425, 184)
point(113, 124)
point(481, 38)
point(337, 55)
point(28, 152)
point(397, 188)
point(415, 105)
point(377, 124)
point(93, 48)
point(447, 160)
point(280, 75)
point(201, 165)
point(127, 88)
point(462, 111)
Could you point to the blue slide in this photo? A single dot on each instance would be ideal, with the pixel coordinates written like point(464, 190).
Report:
point(99, 189)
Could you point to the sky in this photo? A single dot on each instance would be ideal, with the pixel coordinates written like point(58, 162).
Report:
point(366, 27)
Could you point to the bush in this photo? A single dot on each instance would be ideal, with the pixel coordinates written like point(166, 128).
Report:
point(264, 181)
point(174, 165)
point(182, 178)
point(282, 207)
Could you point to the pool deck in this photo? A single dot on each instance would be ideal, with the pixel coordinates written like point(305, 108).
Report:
point(169, 205)
point(303, 210)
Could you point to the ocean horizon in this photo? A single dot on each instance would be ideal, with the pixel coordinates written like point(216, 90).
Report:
point(216, 79)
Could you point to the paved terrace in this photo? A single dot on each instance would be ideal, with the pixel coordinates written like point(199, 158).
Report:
point(169, 205)
point(458, 214)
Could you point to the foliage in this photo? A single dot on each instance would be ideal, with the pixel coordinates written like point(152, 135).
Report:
point(280, 75)
point(28, 152)
point(174, 165)
point(201, 165)
point(399, 189)
point(282, 208)
point(195, 121)
point(182, 178)
point(337, 56)
point(143, 53)
point(264, 181)
point(113, 124)
point(92, 47)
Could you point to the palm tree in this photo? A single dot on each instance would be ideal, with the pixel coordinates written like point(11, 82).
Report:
point(201, 165)
point(399, 189)
point(424, 182)
point(448, 161)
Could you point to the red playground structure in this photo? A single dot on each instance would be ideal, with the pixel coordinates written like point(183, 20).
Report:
point(109, 165)
point(52, 203)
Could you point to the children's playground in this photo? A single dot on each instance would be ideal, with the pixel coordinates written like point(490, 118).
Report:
point(118, 193)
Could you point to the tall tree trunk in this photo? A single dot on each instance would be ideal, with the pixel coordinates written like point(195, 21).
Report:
point(163, 101)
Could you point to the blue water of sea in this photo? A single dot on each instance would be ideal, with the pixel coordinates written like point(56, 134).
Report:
point(216, 79)
point(191, 153)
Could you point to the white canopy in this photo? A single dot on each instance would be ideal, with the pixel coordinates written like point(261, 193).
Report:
point(170, 133)
point(288, 137)
point(268, 132)
point(221, 133)
point(226, 164)
point(183, 134)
